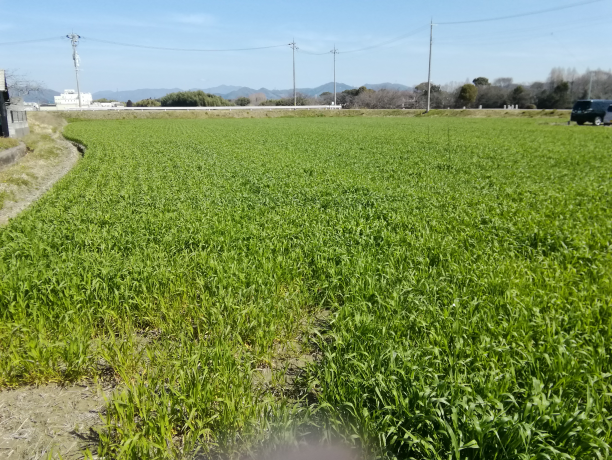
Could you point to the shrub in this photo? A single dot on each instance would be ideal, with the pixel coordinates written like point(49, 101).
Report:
point(467, 94)
point(147, 103)
point(287, 101)
point(193, 99)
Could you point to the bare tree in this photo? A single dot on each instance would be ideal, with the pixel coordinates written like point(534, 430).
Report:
point(386, 99)
point(559, 74)
point(19, 85)
point(504, 82)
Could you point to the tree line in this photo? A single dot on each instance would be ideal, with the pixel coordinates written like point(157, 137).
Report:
point(183, 99)
point(559, 91)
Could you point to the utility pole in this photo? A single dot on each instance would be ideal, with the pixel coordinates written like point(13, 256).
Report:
point(74, 39)
point(334, 51)
point(294, 47)
point(429, 74)
point(590, 84)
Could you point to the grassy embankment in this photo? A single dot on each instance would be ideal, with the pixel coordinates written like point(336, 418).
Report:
point(43, 153)
point(461, 268)
point(300, 113)
point(7, 143)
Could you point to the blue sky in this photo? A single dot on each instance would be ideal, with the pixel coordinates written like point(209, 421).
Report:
point(524, 48)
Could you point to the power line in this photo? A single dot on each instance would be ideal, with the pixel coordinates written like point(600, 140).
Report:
point(401, 37)
point(313, 54)
point(517, 34)
point(522, 15)
point(566, 49)
point(397, 39)
point(180, 49)
point(31, 41)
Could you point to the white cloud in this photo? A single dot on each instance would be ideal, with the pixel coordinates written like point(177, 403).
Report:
point(193, 19)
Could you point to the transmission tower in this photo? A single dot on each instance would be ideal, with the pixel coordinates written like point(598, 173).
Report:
point(334, 52)
point(294, 47)
point(74, 39)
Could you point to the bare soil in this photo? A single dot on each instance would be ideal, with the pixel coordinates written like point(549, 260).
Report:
point(49, 421)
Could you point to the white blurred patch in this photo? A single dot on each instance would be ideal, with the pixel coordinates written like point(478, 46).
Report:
point(194, 19)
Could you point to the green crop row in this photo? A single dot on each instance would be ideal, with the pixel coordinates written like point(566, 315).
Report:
point(416, 288)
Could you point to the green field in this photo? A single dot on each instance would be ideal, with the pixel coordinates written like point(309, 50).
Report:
point(417, 287)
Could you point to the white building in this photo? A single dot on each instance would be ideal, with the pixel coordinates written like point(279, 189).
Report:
point(107, 105)
point(70, 99)
point(31, 106)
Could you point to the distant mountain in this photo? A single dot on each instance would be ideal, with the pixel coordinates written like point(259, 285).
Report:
point(396, 86)
point(222, 89)
point(281, 93)
point(134, 95)
point(327, 87)
point(245, 92)
point(44, 96)
point(232, 92)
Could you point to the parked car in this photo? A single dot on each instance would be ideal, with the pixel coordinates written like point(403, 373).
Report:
point(590, 111)
point(608, 117)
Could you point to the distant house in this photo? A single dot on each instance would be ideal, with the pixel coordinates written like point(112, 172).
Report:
point(69, 99)
point(13, 116)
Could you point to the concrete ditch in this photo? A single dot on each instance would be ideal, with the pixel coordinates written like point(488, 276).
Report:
point(10, 156)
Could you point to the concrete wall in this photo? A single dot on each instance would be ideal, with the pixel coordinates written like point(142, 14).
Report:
point(17, 121)
point(17, 118)
point(10, 156)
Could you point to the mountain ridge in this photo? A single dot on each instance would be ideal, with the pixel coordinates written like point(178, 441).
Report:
point(232, 92)
point(226, 91)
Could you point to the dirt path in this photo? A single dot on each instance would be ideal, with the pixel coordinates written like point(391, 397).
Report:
point(49, 158)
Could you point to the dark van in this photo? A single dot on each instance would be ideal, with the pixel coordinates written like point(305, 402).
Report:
point(608, 118)
point(591, 111)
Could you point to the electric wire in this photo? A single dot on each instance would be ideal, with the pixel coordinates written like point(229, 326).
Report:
point(378, 45)
point(314, 54)
point(521, 15)
point(518, 31)
point(132, 45)
point(366, 48)
point(514, 36)
point(565, 48)
point(397, 39)
point(31, 41)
